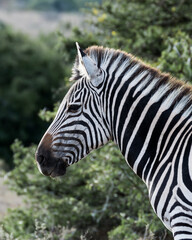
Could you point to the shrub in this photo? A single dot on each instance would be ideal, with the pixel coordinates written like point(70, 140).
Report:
point(177, 57)
point(139, 26)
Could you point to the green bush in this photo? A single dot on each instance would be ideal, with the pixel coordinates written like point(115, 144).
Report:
point(30, 73)
point(139, 26)
point(177, 57)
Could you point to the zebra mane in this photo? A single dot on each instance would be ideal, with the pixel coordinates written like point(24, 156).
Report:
point(104, 57)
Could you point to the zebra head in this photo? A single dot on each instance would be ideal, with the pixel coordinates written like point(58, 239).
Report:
point(79, 125)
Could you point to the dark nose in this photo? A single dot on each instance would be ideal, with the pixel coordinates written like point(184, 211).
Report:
point(40, 158)
point(44, 148)
point(43, 154)
point(47, 163)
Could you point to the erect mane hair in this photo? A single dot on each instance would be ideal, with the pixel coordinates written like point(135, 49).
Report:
point(103, 57)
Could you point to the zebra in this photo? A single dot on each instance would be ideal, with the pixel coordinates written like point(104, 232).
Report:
point(148, 114)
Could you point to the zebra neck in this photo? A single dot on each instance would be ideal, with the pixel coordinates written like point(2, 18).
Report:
point(143, 116)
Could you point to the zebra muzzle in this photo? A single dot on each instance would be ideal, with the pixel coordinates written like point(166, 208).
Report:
point(51, 167)
point(47, 164)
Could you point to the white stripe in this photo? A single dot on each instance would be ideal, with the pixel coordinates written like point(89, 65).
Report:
point(144, 93)
point(164, 106)
point(155, 98)
point(170, 151)
point(132, 84)
point(186, 192)
point(166, 190)
point(117, 74)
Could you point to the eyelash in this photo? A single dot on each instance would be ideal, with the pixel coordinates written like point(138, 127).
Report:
point(73, 108)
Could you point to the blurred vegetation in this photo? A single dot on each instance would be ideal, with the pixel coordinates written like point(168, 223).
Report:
point(176, 58)
point(56, 5)
point(30, 74)
point(100, 198)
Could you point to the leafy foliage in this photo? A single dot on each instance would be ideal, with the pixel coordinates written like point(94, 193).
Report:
point(139, 26)
point(177, 57)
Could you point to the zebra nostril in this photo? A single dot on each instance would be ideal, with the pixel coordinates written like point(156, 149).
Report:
point(40, 159)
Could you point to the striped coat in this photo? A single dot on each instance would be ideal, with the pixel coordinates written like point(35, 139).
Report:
point(148, 114)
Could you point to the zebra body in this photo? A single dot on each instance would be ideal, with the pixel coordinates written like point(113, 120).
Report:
point(146, 113)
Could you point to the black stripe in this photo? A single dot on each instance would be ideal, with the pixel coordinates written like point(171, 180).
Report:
point(152, 146)
point(76, 132)
point(185, 166)
point(174, 181)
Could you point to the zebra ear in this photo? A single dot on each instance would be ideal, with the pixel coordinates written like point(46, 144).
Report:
point(93, 72)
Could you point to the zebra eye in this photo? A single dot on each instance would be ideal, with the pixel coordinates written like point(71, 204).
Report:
point(73, 108)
